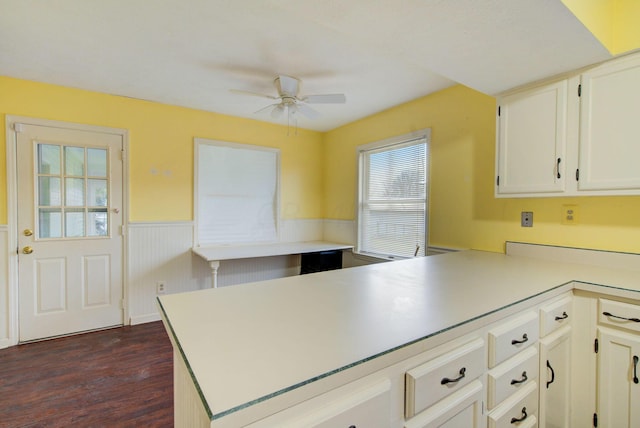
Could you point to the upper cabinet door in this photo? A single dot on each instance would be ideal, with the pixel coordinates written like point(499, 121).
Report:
point(609, 119)
point(532, 129)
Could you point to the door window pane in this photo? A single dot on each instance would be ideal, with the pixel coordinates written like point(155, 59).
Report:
point(74, 223)
point(74, 192)
point(49, 191)
point(96, 162)
point(96, 192)
point(75, 180)
point(50, 223)
point(97, 223)
point(48, 159)
point(74, 161)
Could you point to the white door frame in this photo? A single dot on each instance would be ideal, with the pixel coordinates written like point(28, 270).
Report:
point(12, 210)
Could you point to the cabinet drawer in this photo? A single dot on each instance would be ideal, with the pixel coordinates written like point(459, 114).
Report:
point(555, 315)
point(521, 408)
point(369, 406)
point(435, 379)
point(460, 409)
point(511, 337)
point(619, 314)
point(511, 376)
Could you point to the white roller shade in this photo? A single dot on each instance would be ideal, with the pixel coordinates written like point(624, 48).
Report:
point(236, 193)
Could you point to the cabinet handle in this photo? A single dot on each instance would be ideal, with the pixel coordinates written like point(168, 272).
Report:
point(524, 416)
point(523, 379)
point(446, 380)
point(553, 374)
point(525, 338)
point(609, 314)
point(558, 167)
point(563, 317)
point(635, 369)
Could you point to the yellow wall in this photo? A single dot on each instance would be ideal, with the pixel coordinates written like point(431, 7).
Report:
point(463, 210)
point(613, 22)
point(161, 140)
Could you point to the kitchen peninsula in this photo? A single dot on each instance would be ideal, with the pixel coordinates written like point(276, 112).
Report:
point(338, 345)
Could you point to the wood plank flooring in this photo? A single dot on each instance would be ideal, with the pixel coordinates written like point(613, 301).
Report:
point(122, 377)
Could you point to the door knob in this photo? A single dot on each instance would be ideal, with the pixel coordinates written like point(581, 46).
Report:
point(27, 232)
point(27, 250)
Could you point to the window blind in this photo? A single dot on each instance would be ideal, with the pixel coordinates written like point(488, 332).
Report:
point(236, 193)
point(393, 199)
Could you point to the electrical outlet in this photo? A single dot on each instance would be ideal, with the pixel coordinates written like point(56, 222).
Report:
point(569, 214)
point(526, 219)
point(160, 287)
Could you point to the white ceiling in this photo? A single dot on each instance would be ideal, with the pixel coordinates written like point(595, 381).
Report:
point(379, 53)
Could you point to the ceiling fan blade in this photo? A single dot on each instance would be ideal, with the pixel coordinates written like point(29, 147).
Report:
point(255, 94)
point(264, 108)
point(288, 85)
point(325, 99)
point(277, 111)
point(307, 111)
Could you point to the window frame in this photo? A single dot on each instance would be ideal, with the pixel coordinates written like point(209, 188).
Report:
point(389, 143)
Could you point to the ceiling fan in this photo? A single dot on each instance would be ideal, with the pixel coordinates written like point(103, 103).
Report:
point(290, 101)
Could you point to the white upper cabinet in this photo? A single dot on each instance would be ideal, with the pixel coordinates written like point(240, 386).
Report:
point(609, 116)
point(532, 140)
point(574, 137)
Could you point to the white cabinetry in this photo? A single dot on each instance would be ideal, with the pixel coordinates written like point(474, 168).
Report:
point(532, 127)
point(618, 396)
point(609, 107)
point(555, 385)
point(574, 137)
point(555, 364)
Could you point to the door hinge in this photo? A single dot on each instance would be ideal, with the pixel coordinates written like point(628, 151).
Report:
point(122, 155)
point(577, 174)
point(498, 110)
point(595, 419)
point(121, 230)
point(580, 90)
point(498, 181)
point(596, 345)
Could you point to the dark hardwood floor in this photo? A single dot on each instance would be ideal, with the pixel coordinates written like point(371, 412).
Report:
point(122, 377)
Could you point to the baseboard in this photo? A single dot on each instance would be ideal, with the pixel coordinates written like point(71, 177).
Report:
point(143, 319)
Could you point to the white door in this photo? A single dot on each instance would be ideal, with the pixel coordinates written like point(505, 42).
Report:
point(70, 244)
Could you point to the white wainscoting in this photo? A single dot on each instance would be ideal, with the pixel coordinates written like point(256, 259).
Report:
point(162, 252)
point(4, 287)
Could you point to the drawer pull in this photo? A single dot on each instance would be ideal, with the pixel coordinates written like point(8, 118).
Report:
point(517, 342)
point(609, 314)
point(563, 317)
point(635, 369)
point(446, 380)
point(524, 416)
point(523, 379)
point(553, 374)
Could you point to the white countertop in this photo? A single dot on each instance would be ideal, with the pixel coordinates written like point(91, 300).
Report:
point(231, 252)
point(252, 340)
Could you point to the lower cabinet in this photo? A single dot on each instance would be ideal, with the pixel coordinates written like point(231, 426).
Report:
point(555, 379)
point(618, 395)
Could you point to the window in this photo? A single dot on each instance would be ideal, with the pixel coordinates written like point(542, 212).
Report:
point(236, 193)
point(393, 204)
